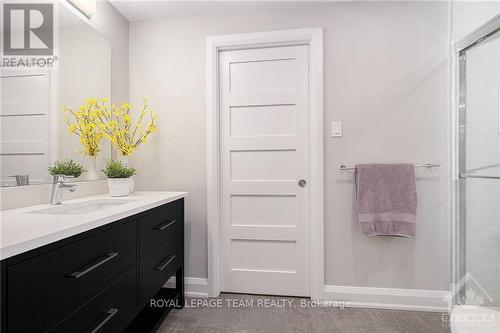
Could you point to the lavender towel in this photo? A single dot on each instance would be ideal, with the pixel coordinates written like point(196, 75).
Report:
point(386, 199)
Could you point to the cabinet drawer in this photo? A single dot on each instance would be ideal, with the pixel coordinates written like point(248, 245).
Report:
point(55, 283)
point(110, 311)
point(156, 269)
point(161, 226)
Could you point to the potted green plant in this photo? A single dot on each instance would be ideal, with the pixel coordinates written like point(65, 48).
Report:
point(118, 178)
point(68, 167)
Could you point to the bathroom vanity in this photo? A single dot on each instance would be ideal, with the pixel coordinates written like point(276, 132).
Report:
point(92, 265)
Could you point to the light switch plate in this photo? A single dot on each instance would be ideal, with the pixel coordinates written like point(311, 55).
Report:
point(336, 129)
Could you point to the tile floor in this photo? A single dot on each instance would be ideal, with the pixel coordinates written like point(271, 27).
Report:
point(227, 313)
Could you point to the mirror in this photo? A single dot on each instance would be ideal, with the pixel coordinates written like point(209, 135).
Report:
point(33, 130)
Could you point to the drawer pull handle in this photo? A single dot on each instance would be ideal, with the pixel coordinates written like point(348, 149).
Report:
point(109, 314)
point(164, 225)
point(81, 272)
point(161, 266)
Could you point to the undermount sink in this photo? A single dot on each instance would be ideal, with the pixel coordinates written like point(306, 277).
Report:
point(81, 208)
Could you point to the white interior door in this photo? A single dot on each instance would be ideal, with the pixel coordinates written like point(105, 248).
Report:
point(25, 125)
point(264, 154)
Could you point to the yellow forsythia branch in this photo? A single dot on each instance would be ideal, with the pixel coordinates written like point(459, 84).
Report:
point(83, 124)
point(98, 118)
point(118, 126)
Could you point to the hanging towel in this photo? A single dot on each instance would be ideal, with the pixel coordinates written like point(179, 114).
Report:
point(386, 198)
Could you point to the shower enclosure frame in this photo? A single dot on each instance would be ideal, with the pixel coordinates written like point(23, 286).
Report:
point(486, 32)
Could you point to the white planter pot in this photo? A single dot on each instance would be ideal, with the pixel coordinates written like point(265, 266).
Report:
point(119, 187)
point(125, 160)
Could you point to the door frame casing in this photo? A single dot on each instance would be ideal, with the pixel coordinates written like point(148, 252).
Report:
point(313, 37)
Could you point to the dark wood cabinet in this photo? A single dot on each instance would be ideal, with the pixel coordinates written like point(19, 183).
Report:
point(108, 311)
point(159, 227)
point(102, 280)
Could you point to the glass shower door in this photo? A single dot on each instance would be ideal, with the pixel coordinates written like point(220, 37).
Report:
point(479, 164)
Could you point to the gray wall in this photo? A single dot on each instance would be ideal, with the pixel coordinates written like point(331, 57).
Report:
point(114, 27)
point(386, 78)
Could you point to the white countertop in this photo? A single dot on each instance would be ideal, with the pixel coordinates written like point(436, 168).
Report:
point(22, 230)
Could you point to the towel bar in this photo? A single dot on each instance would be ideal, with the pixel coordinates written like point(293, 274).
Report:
point(427, 165)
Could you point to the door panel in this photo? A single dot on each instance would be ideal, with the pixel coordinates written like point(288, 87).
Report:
point(261, 75)
point(263, 120)
point(263, 210)
point(264, 152)
point(263, 165)
point(280, 255)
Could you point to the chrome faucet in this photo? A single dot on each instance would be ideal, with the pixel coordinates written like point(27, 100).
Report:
point(21, 180)
point(58, 186)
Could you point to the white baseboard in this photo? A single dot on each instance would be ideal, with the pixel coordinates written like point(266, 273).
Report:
point(390, 298)
point(359, 297)
point(193, 287)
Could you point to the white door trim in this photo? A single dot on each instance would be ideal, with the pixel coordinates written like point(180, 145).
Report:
point(314, 38)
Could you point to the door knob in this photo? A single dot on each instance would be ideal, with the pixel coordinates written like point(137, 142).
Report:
point(302, 183)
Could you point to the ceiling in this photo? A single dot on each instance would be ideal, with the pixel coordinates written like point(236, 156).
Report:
point(137, 10)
